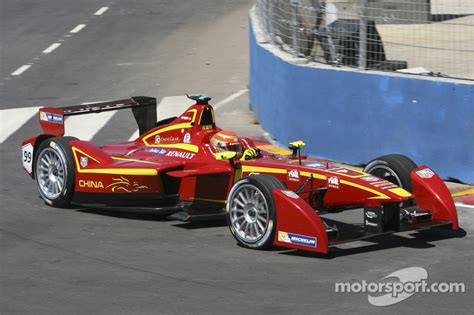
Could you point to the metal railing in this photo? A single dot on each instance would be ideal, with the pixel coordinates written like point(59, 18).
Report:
point(426, 37)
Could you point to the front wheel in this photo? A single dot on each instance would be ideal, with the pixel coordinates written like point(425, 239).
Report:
point(395, 168)
point(55, 171)
point(250, 211)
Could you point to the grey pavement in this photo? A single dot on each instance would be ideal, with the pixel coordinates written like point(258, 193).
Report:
point(57, 261)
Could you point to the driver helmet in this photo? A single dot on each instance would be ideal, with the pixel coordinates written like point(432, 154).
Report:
point(226, 141)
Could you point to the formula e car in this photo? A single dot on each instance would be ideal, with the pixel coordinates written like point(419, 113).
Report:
point(269, 199)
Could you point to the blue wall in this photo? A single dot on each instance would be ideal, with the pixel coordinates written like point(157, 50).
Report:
point(353, 116)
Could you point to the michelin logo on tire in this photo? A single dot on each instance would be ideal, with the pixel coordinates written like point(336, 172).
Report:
point(297, 239)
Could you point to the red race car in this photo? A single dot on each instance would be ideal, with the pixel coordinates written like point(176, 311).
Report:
point(187, 167)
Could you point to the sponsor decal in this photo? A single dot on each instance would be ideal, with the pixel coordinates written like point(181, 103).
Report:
point(384, 184)
point(159, 139)
point(381, 183)
point(50, 117)
point(91, 184)
point(84, 161)
point(169, 139)
point(27, 157)
point(187, 138)
point(370, 223)
point(425, 173)
point(151, 150)
point(123, 184)
point(186, 118)
point(290, 194)
point(316, 165)
point(157, 151)
point(294, 175)
point(181, 154)
point(253, 173)
point(333, 182)
point(370, 214)
point(338, 170)
point(297, 239)
point(370, 178)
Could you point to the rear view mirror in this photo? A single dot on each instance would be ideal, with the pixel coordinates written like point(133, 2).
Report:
point(226, 155)
point(297, 145)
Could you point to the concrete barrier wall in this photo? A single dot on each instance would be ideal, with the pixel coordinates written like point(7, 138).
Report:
point(354, 116)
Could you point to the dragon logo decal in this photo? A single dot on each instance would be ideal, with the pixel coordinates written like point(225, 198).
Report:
point(123, 184)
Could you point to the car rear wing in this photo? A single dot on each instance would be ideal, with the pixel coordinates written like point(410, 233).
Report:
point(143, 109)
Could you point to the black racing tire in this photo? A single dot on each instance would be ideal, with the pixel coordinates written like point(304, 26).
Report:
point(395, 168)
point(55, 171)
point(251, 208)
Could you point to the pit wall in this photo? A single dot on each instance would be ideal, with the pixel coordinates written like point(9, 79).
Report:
point(353, 116)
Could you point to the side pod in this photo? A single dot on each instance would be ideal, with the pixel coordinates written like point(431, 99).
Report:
point(297, 224)
point(431, 194)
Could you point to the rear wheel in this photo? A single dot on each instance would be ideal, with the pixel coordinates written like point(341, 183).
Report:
point(251, 213)
point(55, 171)
point(395, 168)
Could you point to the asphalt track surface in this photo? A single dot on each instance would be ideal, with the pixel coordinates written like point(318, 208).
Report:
point(56, 261)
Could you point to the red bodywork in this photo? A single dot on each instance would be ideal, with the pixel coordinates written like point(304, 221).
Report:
point(173, 163)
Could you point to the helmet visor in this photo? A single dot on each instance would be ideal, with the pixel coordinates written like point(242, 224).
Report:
point(234, 147)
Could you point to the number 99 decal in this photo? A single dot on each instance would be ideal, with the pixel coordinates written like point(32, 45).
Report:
point(27, 157)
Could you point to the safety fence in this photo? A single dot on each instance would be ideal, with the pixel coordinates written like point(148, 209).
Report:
point(425, 37)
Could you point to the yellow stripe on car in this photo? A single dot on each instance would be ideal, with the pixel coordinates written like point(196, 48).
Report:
point(260, 169)
point(400, 192)
point(118, 158)
point(378, 195)
point(112, 170)
point(74, 150)
point(169, 128)
point(121, 171)
point(273, 149)
point(182, 146)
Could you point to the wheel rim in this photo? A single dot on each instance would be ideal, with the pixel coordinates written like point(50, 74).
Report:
point(248, 211)
point(386, 173)
point(50, 173)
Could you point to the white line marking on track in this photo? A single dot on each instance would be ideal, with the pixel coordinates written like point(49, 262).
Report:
point(229, 98)
point(21, 70)
point(51, 48)
point(85, 128)
point(101, 11)
point(459, 204)
point(169, 106)
point(77, 29)
point(13, 119)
